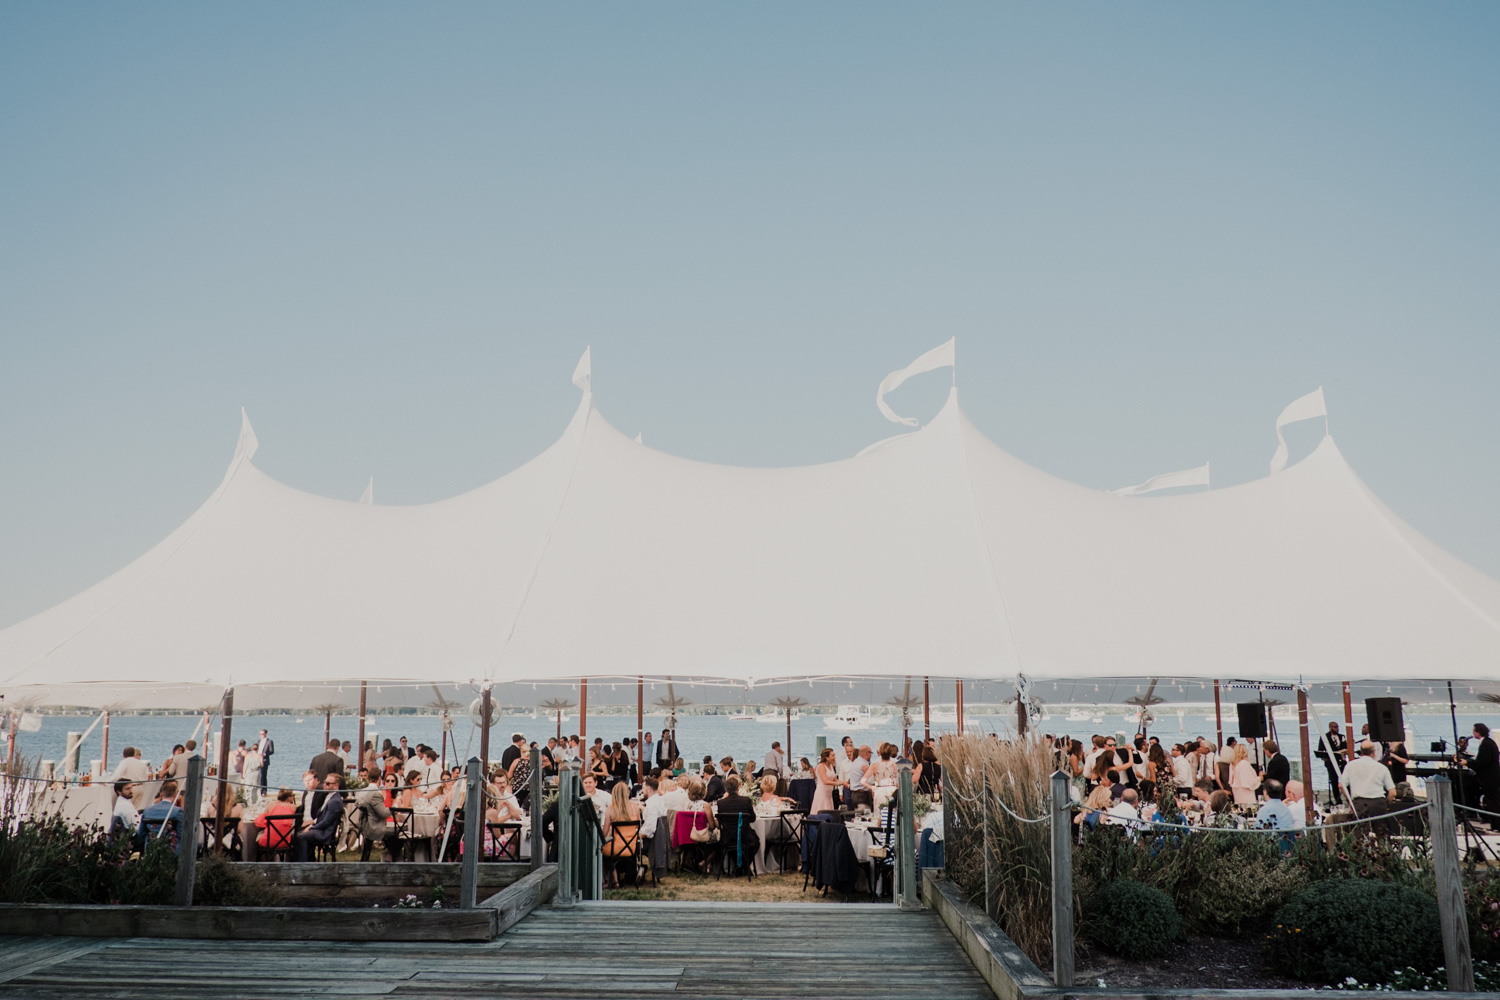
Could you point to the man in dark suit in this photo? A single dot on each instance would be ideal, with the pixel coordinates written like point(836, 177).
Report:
point(1278, 768)
point(267, 747)
point(715, 787)
point(326, 826)
point(1331, 749)
point(328, 762)
point(1487, 770)
point(730, 804)
point(666, 749)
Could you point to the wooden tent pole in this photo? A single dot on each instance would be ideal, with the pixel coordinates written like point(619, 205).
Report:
point(359, 748)
point(926, 712)
point(1350, 742)
point(1307, 792)
point(640, 726)
point(960, 688)
point(1218, 718)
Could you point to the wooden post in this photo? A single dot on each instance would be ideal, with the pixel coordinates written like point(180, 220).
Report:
point(468, 893)
point(1457, 959)
point(567, 854)
point(640, 727)
point(359, 748)
point(1351, 742)
point(787, 769)
point(104, 753)
point(221, 805)
point(960, 687)
point(1307, 786)
point(327, 727)
point(1062, 882)
point(1020, 715)
point(906, 894)
point(1218, 721)
point(926, 713)
point(583, 719)
point(484, 726)
point(187, 840)
point(538, 846)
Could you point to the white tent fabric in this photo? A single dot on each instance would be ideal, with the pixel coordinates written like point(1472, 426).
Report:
point(936, 554)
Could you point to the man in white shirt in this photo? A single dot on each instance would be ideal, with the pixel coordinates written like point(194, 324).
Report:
point(857, 768)
point(134, 770)
point(654, 808)
point(843, 760)
point(591, 790)
point(125, 817)
point(1369, 783)
point(1182, 767)
point(1297, 806)
point(1124, 812)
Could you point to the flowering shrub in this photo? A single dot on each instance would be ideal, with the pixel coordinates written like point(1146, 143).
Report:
point(1357, 929)
point(1486, 980)
point(1483, 896)
point(47, 861)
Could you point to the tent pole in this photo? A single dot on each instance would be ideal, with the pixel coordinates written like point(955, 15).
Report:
point(1349, 740)
point(226, 725)
point(788, 767)
point(1453, 713)
point(1218, 717)
point(104, 753)
point(926, 711)
point(960, 687)
point(359, 748)
point(583, 720)
point(484, 730)
point(640, 726)
point(1020, 715)
point(559, 726)
point(1307, 792)
point(327, 728)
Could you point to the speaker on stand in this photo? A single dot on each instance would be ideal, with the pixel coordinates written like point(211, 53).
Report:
point(1384, 717)
point(1252, 720)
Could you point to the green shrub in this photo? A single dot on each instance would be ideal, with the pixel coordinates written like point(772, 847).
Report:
point(1355, 928)
point(1131, 919)
point(1239, 883)
point(1483, 896)
point(219, 882)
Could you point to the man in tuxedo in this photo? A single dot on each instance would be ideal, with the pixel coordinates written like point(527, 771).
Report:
point(1487, 770)
point(1277, 768)
point(266, 749)
point(1330, 748)
point(326, 826)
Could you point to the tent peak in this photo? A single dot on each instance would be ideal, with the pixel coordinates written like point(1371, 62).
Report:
point(248, 443)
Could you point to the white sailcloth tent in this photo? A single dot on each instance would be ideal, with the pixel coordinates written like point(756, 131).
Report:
point(935, 553)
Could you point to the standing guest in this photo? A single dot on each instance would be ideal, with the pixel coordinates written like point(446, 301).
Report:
point(237, 761)
point(858, 768)
point(775, 761)
point(266, 748)
point(347, 752)
point(124, 818)
point(848, 751)
point(647, 748)
point(1369, 784)
point(932, 771)
point(1243, 781)
point(1182, 767)
point(915, 759)
point(330, 761)
point(513, 753)
point(1331, 747)
point(1364, 734)
point(367, 759)
point(169, 766)
point(1396, 759)
point(1487, 770)
point(403, 751)
point(1277, 768)
point(326, 826)
point(827, 774)
point(134, 770)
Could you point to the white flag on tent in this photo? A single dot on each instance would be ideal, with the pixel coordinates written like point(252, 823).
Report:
point(583, 375)
point(1306, 408)
point(368, 496)
point(1167, 480)
point(938, 357)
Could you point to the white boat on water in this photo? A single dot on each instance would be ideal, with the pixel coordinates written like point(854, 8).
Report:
point(741, 717)
point(847, 717)
point(1078, 715)
point(776, 717)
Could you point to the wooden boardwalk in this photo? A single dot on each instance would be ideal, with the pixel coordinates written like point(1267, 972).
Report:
point(612, 949)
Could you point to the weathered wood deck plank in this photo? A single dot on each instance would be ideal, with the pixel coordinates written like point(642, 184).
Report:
point(744, 952)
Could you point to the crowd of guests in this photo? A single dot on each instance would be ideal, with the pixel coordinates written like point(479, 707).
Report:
point(1124, 783)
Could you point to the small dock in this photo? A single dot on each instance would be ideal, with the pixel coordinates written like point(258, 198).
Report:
point(607, 949)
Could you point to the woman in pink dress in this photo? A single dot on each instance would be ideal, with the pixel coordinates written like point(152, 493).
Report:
point(827, 774)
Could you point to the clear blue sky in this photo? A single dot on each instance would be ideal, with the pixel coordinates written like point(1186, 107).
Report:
point(389, 230)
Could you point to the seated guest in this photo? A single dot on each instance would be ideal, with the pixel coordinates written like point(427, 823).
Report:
point(1147, 805)
point(697, 804)
point(1298, 808)
point(1124, 813)
point(1099, 801)
point(620, 841)
point(1219, 804)
point(1273, 813)
point(285, 805)
point(374, 816)
point(326, 826)
point(770, 803)
point(591, 790)
point(165, 814)
point(653, 806)
point(504, 807)
point(714, 788)
point(124, 818)
point(733, 803)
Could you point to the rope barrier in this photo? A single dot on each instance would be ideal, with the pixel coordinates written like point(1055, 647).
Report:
point(1475, 809)
point(109, 782)
point(1152, 824)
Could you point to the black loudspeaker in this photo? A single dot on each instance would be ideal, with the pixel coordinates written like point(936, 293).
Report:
point(1252, 719)
point(1384, 717)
